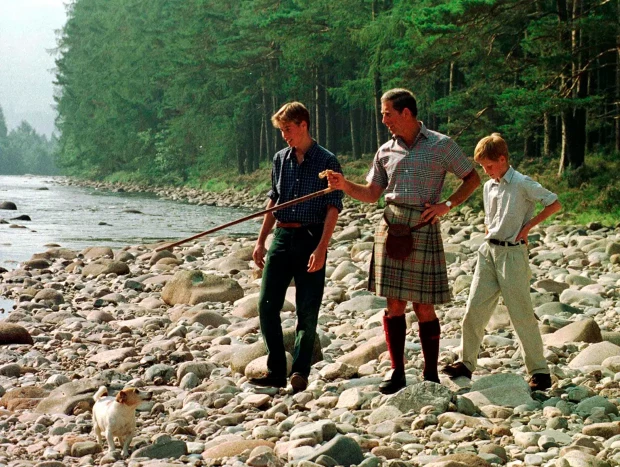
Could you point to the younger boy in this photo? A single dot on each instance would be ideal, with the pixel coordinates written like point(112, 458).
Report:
point(503, 267)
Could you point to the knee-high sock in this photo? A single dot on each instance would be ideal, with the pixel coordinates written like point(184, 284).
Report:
point(395, 330)
point(429, 338)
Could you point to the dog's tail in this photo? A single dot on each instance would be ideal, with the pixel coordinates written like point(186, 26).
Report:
point(101, 392)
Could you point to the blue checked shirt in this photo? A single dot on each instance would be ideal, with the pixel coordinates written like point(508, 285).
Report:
point(290, 180)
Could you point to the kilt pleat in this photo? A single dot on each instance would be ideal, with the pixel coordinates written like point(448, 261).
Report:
point(419, 278)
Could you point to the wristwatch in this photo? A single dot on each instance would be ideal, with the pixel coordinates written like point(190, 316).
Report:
point(449, 204)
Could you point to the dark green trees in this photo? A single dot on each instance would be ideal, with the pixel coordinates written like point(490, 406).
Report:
point(169, 90)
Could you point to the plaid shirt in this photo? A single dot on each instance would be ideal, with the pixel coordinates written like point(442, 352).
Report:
point(415, 175)
point(290, 180)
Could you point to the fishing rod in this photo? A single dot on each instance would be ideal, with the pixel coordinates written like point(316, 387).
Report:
point(277, 207)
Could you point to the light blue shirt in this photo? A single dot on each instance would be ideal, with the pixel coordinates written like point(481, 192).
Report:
point(510, 203)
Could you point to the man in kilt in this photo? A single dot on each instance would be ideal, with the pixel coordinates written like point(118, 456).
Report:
point(410, 170)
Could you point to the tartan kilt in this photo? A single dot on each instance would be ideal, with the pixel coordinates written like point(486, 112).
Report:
point(422, 276)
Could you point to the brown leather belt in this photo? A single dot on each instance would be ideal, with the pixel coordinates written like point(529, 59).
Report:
point(288, 225)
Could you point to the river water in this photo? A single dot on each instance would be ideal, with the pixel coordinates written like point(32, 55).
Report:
point(76, 217)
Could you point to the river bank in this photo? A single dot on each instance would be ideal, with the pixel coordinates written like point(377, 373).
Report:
point(184, 325)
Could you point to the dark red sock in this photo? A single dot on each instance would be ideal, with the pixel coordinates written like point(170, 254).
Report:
point(395, 330)
point(429, 338)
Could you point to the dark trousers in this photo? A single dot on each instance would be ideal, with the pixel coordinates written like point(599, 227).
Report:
point(288, 259)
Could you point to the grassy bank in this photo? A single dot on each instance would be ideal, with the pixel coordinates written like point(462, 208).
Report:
point(589, 194)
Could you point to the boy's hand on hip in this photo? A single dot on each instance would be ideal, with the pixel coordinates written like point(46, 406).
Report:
point(523, 235)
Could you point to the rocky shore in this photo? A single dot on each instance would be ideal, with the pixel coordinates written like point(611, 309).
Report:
point(184, 325)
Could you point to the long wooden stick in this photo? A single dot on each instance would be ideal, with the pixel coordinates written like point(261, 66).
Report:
point(246, 218)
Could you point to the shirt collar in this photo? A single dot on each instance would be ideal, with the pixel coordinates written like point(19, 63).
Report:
point(309, 153)
point(507, 178)
point(422, 133)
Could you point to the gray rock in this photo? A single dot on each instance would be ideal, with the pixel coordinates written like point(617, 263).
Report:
point(365, 352)
point(361, 303)
point(594, 355)
point(164, 447)
point(554, 308)
point(159, 371)
point(419, 395)
point(572, 296)
point(585, 330)
point(113, 355)
point(105, 266)
point(584, 408)
point(342, 449)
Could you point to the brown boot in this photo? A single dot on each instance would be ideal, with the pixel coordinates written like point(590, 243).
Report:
point(429, 338)
point(395, 330)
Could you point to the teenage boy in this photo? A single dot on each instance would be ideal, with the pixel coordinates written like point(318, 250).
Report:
point(503, 267)
point(299, 247)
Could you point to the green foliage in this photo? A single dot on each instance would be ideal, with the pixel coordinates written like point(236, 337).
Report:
point(176, 92)
point(23, 150)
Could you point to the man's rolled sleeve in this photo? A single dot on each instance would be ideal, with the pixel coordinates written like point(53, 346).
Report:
point(377, 173)
point(538, 193)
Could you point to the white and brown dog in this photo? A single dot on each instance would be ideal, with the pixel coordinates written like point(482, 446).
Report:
point(115, 417)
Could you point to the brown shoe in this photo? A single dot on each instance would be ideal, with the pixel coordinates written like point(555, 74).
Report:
point(299, 382)
point(456, 369)
point(540, 382)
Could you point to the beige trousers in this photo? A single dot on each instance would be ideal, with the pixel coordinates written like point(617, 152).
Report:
point(505, 270)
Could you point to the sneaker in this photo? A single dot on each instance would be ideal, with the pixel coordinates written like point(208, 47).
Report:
point(540, 382)
point(299, 382)
point(456, 369)
point(394, 383)
point(269, 381)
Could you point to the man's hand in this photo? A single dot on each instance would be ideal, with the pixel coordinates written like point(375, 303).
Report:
point(434, 212)
point(335, 180)
point(258, 255)
point(317, 259)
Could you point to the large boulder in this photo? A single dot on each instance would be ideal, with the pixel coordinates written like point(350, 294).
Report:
point(11, 333)
point(502, 389)
point(192, 287)
point(64, 399)
point(585, 330)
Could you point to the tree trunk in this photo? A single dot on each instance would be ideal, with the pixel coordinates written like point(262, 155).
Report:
point(450, 87)
point(549, 137)
point(240, 160)
point(573, 118)
point(355, 150)
point(328, 125)
point(378, 118)
point(267, 125)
